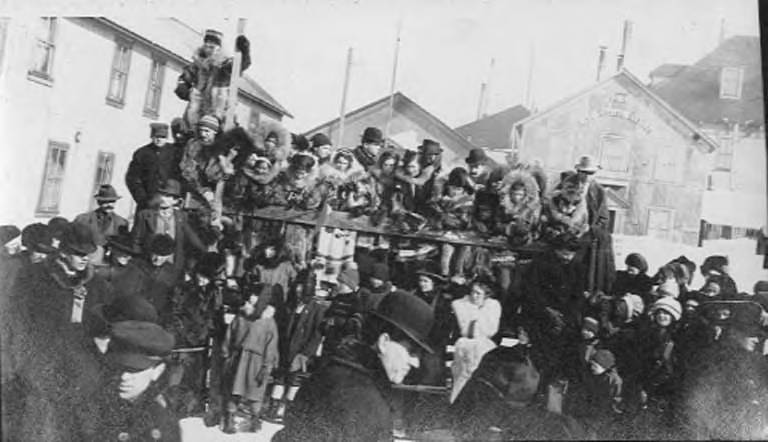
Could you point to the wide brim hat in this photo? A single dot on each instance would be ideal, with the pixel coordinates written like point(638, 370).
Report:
point(430, 147)
point(124, 243)
point(106, 193)
point(171, 188)
point(8, 232)
point(37, 237)
point(586, 164)
point(741, 315)
point(409, 314)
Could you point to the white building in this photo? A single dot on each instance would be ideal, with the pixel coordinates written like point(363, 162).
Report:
point(77, 96)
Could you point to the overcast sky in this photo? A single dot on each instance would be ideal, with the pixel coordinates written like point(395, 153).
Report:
point(299, 47)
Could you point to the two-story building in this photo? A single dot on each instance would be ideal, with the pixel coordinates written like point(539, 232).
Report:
point(654, 160)
point(722, 93)
point(77, 97)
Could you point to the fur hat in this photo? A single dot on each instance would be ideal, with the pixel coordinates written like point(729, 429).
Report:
point(8, 232)
point(459, 177)
point(209, 121)
point(604, 358)
point(637, 261)
point(299, 142)
point(78, 239)
point(690, 265)
point(158, 130)
point(302, 162)
point(161, 244)
point(123, 241)
point(37, 237)
point(349, 275)
point(372, 135)
point(669, 305)
point(58, 224)
point(716, 263)
point(587, 164)
point(320, 139)
point(591, 324)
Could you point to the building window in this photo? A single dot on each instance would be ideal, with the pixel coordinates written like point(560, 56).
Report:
point(660, 222)
point(614, 153)
point(45, 46)
point(724, 157)
point(53, 176)
point(253, 121)
point(670, 162)
point(118, 78)
point(105, 164)
point(731, 80)
point(154, 89)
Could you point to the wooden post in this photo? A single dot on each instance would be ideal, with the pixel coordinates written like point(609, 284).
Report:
point(392, 84)
point(234, 81)
point(342, 111)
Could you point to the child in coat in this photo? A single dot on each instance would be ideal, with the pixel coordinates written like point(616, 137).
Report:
point(520, 208)
point(657, 347)
point(605, 386)
point(250, 347)
point(453, 212)
point(564, 218)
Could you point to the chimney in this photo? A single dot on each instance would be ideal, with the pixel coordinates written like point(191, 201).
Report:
point(481, 103)
point(601, 62)
point(722, 31)
point(625, 36)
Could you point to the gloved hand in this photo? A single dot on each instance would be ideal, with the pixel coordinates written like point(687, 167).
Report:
point(182, 90)
point(261, 376)
point(242, 44)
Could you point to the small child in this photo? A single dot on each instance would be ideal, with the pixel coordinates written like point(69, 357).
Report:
point(564, 218)
point(453, 212)
point(590, 329)
point(657, 351)
point(605, 385)
point(520, 208)
point(250, 346)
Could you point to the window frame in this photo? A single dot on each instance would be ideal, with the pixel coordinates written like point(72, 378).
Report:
point(671, 228)
point(98, 178)
point(119, 101)
point(608, 136)
point(739, 82)
point(32, 72)
point(41, 210)
point(726, 149)
point(149, 110)
point(679, 175)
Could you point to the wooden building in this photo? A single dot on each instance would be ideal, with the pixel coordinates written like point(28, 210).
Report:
point(654, 160)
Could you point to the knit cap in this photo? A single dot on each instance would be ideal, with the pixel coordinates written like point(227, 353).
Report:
point(669, 305)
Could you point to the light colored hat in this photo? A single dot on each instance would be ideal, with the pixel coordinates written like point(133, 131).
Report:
point(669, 305)
point(587, 164)
point(210, 122)
point(635, 305)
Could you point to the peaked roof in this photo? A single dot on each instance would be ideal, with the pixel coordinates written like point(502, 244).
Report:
point(400, 99)
point(695, 89)
point(706, 141)
point(493, 131)
point(174, 39)
point(667, 70)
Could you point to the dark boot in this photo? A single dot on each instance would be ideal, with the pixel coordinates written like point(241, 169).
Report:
point(229, 423)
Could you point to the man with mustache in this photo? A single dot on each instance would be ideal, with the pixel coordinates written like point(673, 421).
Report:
point(103, 221)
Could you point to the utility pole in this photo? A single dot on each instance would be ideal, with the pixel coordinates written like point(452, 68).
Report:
point(234, 81)
point(343, 112)
point(394, 81)
point(625, 36)
point(529, 83)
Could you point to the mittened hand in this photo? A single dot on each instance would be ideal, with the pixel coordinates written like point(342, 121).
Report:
point(242, 44)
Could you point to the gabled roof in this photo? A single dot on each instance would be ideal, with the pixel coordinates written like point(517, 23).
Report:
point(177, 41)
point(695, 90)
point(400, 100)
point(705, 141)
point(494, 130)
point(667, 70)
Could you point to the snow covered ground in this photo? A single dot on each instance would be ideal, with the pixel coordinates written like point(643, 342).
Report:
point(194, 430)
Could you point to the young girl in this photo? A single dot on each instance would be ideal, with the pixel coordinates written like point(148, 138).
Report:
point(250, 346)
point(656, 349)
point(453, 212)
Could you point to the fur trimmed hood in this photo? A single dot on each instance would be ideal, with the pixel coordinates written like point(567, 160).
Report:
point(281, 153)
point(513, 177)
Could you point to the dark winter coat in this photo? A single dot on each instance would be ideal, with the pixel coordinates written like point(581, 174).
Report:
point(185, 236)
point(195, 314)
point(365, 159)
point(149, 169)
point(640, 285)
point(155, 284)
point(371, 297)
point(288, 193)
point(102, 225)
point(104, 416)
point(50, 366)
point(342, 319)
point(201, 168)
point(248, 190)
point(345, 400)
point(302, 333)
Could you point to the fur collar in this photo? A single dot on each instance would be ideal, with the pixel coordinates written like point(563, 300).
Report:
point(60, 274)
point(259, 179)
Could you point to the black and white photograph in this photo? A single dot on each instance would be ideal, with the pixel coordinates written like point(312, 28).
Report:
point(373, 220)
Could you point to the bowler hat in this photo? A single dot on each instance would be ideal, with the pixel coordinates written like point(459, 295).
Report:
point(430, 147)
point(37, 237)
point(78, 238)
point(586, 164)
point(476, 156)
point(123, 242)
point(211, 264)
point(161, 244)
point(8, 232)
point(107, 193)
point(740, 315)
point(408, 313)
point(139, 345)
point(58, 224)
point(171, 187)
point(159, 130)
point(372, 135)
point(212, 35)
point(320, 139)
point(299, 141)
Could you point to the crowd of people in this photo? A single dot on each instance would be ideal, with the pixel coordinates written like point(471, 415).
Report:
point(197, 306)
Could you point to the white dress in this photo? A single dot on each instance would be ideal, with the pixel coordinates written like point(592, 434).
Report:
point(475, 339)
